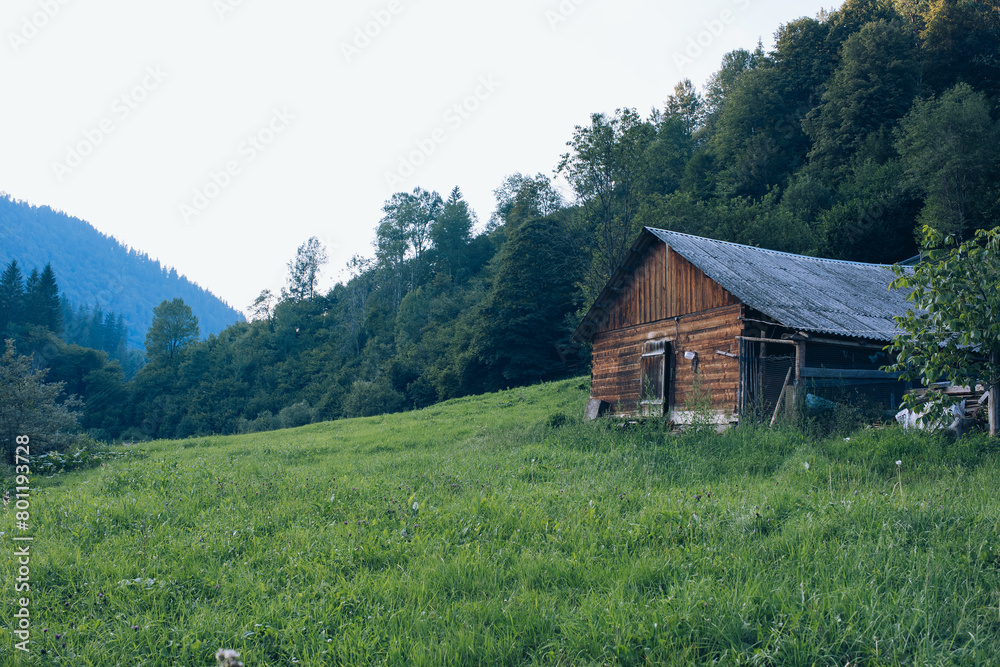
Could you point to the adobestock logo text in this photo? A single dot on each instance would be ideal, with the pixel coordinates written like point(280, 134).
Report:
point(33, 24)
point(248, 151)
point(123, 106)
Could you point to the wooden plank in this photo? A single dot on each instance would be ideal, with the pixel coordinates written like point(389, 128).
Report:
point(781, 396)
point(845, 343)
point(847, 373)
point(768, 340)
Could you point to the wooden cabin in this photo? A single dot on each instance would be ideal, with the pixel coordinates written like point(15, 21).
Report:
point(690, 325)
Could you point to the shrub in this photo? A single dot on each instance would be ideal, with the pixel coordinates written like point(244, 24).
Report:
point(372, 398)
point(84, 453)
point(297, 414)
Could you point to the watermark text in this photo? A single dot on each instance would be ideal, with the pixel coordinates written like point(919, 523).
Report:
point(454, 117)
point(22, 543)
point(713, 30)
point(123, 106)
point(32, 25)
point(249, 149)
point(365, 34)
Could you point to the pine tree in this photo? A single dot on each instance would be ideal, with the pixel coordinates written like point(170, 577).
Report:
point(11, 297)
point(32, 299)
point(522, 330)
point(450, 234)
point(110, 339)
point(49, 308)
point(95, 329)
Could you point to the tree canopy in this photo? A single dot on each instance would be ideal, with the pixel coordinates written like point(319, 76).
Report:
point(174, 326)
point(953, 331)
point(31, 406)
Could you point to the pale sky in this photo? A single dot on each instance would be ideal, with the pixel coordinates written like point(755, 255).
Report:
point(218, 135)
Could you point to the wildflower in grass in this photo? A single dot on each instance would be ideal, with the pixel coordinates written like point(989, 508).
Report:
point(228, 658)
point(806, 465)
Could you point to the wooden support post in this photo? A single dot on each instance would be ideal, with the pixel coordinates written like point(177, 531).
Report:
point(800, 360)
point(798, 388)
point(781, 396)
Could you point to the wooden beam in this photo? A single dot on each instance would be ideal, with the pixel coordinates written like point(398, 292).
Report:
point(847, 373)
point(766, 340)
point(844, 343)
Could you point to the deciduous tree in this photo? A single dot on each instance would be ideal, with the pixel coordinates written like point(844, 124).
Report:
point(524, 197)
point(30, 406)
point(402, 238)
point(949, 148)
point(605, 168)
point(262, 307)
point(174, 326)
point(873, 86)
point(304, 269)
point(953, 331)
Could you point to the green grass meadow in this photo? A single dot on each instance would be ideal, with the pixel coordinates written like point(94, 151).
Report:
point(502, 530)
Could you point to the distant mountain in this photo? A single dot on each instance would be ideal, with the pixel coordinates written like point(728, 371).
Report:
point(92, 267)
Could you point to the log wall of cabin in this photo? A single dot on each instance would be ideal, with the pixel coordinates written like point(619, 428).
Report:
point(667, 297)
point(617, 355)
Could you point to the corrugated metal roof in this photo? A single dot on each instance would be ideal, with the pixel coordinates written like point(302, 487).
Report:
point(805, 293)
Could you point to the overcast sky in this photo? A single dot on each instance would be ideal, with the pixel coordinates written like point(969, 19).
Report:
point(218, 135)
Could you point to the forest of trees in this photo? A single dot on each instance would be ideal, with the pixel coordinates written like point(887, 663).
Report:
point(83, 351)
point(858, 128)
point(96, 271)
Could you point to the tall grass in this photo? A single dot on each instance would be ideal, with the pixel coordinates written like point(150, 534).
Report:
point(501, 530)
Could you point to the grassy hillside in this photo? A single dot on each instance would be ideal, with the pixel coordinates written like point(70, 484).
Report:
point(501, 530)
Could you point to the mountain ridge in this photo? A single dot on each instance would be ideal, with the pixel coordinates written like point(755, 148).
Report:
point(93, 267)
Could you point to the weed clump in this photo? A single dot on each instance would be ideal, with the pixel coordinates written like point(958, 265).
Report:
point(557, 420)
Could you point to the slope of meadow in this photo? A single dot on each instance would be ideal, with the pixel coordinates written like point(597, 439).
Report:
point(501, 530)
